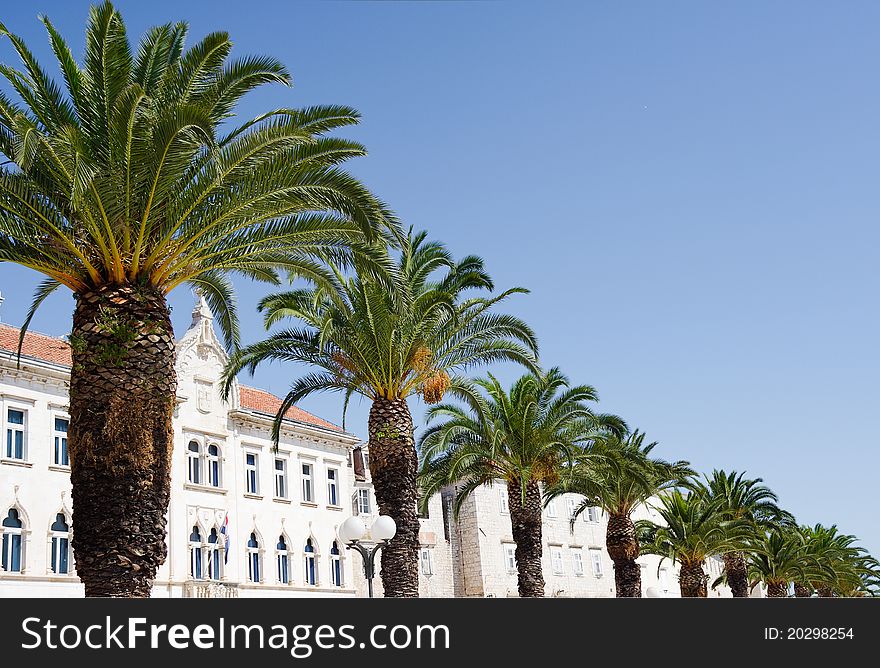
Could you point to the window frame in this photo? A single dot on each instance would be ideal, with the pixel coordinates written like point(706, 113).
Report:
point(196, 554)
point(577, 561)
point(363, 499)
point(310, 558)
point(252, 473)
point(281, 478)
point(596, 560)
point(63, 436)
point(557, 561)
point(283, 561)
point(307, 479)
point(337, 569)
point(426, 551)
point(333, 486)
point(509, 552)
point(212, 461)
point(9, 446)
point(7, 542)
point(254, 558)
point(55, 551)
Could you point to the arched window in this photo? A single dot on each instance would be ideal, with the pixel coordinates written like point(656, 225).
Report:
point(194, 462)
point(214, 465)
point(195, 554)
point(310, 568)
point(214, 558)
point(60, 545)
point(335, 565)
point(12, 526)
point(253, 555)
point(283, 560)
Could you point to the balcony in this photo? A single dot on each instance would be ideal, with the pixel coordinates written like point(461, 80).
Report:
point(209, 589)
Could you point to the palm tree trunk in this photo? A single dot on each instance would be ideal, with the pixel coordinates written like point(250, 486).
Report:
point(737, 574)
point(525, 522)
point(623, 548)
point(394, 467)
point(692, 580)
point(802, 591)
point(122, 393)
point(825, 592)
point(777, 590)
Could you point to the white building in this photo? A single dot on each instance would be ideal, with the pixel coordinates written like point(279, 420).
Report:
point(281, 509)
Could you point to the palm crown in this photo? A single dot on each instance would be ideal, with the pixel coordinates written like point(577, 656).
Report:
point(390, 332)
point(128, 174)
point(742, 497)
point(617, 473)
point(696, 527)
point(524, 436)
point(780, 556)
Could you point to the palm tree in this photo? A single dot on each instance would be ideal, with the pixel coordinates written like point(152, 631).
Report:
point(779, 557)
point(125, 183)
point(388, 335)
point(843, 565)
point(618, 475)
point(750, 500)
point(524, 437)
point(695, 528)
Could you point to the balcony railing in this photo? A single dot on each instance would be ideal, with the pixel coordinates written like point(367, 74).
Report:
point(209, 589)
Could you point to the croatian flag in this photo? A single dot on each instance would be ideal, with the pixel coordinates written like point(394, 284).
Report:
point(224, 531)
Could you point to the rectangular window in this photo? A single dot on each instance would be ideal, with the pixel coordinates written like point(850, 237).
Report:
point(307, 486)
point(426, 560)
point(363, 501)
point(510, 557)
point(592, 514)
point(572, 508)
point(281, 478)
point(596, 561)
point(60, 442)
point(332, 487)
point(556, 560)
point(251, 473)
point(551, 508)
point(15, 434)
point(505, 506)
point(577, 560)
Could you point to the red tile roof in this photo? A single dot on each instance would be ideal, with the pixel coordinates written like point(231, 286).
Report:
point(261, 401)
point(40, 346)
point(52, 349)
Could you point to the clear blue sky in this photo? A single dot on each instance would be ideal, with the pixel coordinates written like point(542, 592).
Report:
point(689, 189)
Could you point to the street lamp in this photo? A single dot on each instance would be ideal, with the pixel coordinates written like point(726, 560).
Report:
point(352, 533)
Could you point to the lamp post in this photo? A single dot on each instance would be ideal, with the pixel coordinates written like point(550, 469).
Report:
point(352, 532)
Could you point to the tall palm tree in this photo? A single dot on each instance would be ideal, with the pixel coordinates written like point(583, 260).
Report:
point(125, 183)
point(695, 528)
point(779, 557)
point(389, 335)
point(618, 475)
point(750, 500)
point(524, 437)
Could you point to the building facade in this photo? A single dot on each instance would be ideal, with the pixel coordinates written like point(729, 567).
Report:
point(279, 510)
point(246, 520)
point(472, 555)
